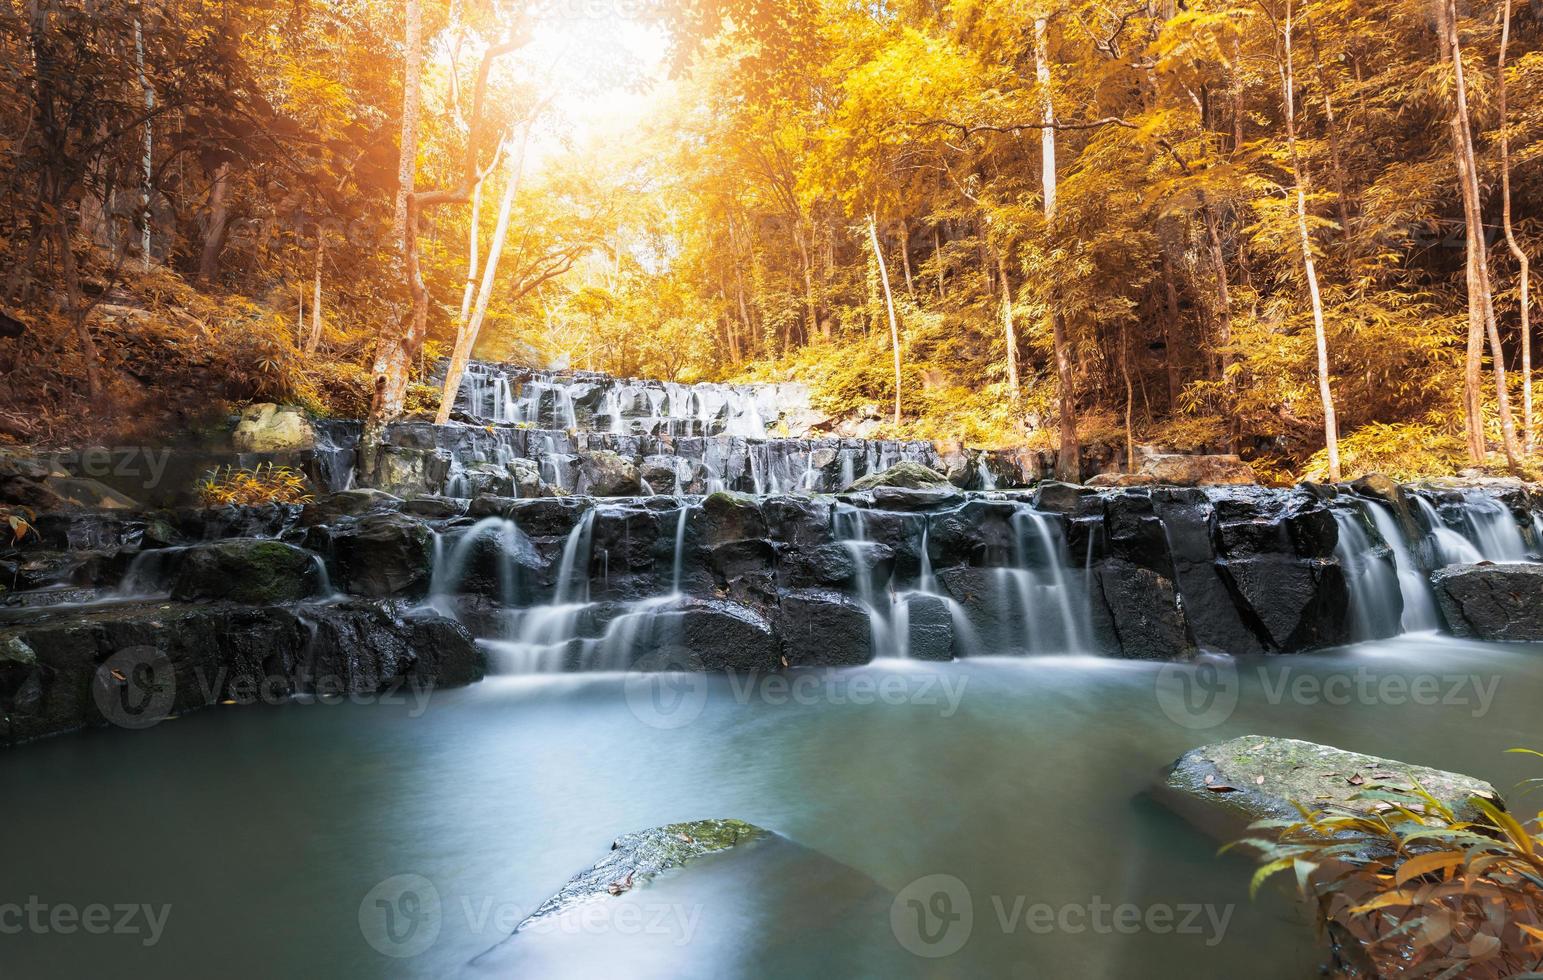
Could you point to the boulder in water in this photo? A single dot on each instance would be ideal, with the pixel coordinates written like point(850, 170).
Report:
point(1492, 602)
point(907, 475)
point(1147, 619)
point(635, 859)
point(929, 627)
point(1225, 787)
point(823, 627)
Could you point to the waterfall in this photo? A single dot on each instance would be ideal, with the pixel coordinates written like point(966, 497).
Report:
point(1493, 529)
point(1037, 579)
point(850, 525)
point(1376, 592)
point(1419, 606)
point(1448, 546)
point(678, 557)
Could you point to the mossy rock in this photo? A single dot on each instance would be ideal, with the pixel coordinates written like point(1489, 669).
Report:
point(636, 858)
point(906, 476)
point(1225, 787)
point(251, 570)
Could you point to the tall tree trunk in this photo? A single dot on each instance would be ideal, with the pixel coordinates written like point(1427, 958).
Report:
point(889, 304)
point(219, 223)
point(148, 157)
point(1171, 335)
point(1009, 332)
point(313, 340)
point(412, 103)
point(466, 337)
point(1130, 397)
point(905, 258)
point(1336, 158)
point(1068, 465)
point(1304, 239)
point(937, 256)
point(1523, 274)
point(78, 310)
point(809, 301)
point(1223, 317)
point(1481, 297)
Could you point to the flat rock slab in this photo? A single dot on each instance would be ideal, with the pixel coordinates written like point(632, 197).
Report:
point(1225, 787)
point(636, 858)
point(709, 898)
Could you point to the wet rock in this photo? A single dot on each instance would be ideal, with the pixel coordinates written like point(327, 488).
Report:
point(381, 555)
point(1135, 533)
point(1295, 604)
point(1227, 786)
point(906, 499)
point(1492, 602)
point(435, 508)
point(348, 503)
point(1213, 612)
point(637, 858)
point(1060, 498)
point(708, 634)
point(836, 564)
point(907, 475)
point(929, 627)
point(823, 627)
point(268, 428)
point(665, 474)
point(729, 517)
point(1376, 486)
point(604, 473)
point(1195, 471)
point(251, 570)
point(1144, 610)
point(135, 665)
point(412, 472)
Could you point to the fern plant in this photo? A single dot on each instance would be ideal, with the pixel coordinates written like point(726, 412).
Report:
point(1413, 888)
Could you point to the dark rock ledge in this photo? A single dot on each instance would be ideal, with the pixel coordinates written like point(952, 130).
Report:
point(134, 664)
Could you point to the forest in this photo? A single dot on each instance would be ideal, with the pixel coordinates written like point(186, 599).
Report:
point(1299, 230)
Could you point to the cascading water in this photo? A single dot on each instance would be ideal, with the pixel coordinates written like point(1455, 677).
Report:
point(1376, 593)
point(1037, 584)
point(1448, 547)
point(1419, 607)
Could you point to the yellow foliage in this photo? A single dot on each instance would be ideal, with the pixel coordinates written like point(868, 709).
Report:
point(266, 484)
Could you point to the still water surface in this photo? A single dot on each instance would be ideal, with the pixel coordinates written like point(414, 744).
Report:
point(263, 829)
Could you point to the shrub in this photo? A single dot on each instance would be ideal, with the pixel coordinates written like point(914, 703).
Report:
point(266, 484)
